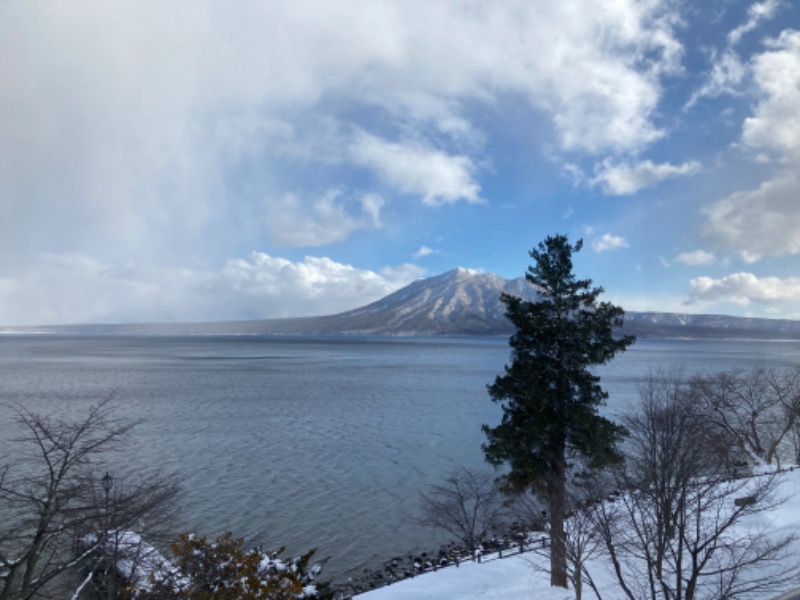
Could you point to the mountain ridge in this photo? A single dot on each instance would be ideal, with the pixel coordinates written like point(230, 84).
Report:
point(457, 302)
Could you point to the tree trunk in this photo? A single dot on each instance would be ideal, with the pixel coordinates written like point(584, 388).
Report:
point(558, 537)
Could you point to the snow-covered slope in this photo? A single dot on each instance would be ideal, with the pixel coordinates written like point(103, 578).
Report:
point(525, 576)
point(459, 302)
point(652, 324)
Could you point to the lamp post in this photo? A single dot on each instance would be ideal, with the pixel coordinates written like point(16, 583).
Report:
point(107, 481)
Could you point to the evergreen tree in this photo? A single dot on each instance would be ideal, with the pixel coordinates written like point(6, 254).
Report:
point(549, 396)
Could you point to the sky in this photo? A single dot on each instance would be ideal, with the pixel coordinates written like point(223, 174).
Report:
point(207, 160)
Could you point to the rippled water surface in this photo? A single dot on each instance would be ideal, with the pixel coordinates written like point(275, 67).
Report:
point(309, 441)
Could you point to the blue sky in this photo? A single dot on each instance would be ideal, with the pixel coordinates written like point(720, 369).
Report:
point(207, 160)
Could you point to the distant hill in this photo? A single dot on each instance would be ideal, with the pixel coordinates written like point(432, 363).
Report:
point(653, 324)
point(459, 302)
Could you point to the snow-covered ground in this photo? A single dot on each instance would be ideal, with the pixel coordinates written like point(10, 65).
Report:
point(519, 576)
point(523, 577)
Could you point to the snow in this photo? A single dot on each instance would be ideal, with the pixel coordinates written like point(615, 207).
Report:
point(136, 559)
point(525, 577)
point(514, 577)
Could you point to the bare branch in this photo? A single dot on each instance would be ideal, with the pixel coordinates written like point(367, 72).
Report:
point(49, 496)
point(467, 506)
point(683, 525)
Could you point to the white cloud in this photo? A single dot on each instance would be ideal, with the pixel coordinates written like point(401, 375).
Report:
point(609, 242)
point(695, 258)
point(744, 289)
point(440, 115)
point(725, 77)
point(256, 287)
point(412, 168)
point(765, 221)
point(757, 13)
point(760, 222)
point(775, 124)
point(301, 287)
point(592, 68)
point(423, 251)
point(293, 221)
point(728, 73)
point(624, 179)
point(407, 272)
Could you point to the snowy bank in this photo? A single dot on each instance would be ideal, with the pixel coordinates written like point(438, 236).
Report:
point(525, 576)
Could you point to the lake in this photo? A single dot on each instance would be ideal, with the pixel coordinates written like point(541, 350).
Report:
point(307, 441)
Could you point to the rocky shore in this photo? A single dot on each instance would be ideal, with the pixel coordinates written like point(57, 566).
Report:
point(451, 554)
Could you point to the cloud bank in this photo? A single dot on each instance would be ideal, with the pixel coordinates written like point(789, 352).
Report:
point(252, 288)
point(745, 289)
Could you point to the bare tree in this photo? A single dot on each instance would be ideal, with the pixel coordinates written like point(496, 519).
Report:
point(53, 513)
point(756, 410)
point(678, 529)
point(467, 505)
point(583, 543)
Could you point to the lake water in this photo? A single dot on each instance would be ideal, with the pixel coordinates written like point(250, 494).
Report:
point(310, 442)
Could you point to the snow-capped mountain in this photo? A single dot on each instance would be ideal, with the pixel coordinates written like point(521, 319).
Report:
point(459, 302)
